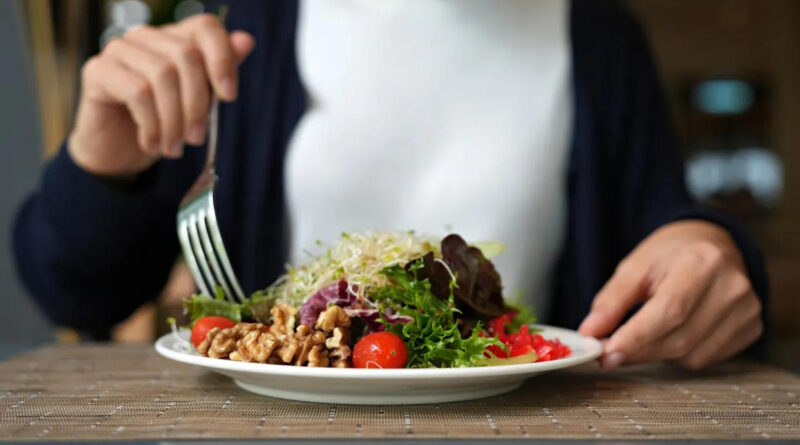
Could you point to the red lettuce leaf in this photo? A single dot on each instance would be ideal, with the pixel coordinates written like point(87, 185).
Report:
point(435, 272)
point(478, 284)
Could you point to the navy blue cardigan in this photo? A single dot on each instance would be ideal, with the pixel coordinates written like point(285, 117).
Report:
point(91, 253)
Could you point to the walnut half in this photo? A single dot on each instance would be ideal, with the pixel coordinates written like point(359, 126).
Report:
point(256, 346)
point(332, 317)
point(335, 322)
point(283, 318)
point(298, 347)
point(318, 357)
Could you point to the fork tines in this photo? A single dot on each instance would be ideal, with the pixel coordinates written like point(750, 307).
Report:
point(203, 249)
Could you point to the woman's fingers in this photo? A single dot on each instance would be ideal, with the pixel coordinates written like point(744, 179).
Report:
point(674, 299)
point(682, 341)
point(725, 295)
point(162, 76)
point(113, 82)
point(746, 336)
point(625, 288)
point(737, 330)
point(148, 92)
point(699, 305)
point(180, 61)
point(194, 84)
point(219, 54)
point(242, 43)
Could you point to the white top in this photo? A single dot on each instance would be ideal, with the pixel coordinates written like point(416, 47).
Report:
point(437, 116)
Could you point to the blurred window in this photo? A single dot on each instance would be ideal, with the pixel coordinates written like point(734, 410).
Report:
point(723, 96)
point(756, 170)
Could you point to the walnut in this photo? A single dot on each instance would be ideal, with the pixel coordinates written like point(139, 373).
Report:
point(298, 347)
point(335, 322)
point(318, 357)
point(327, 345)
point(312, 340)
point(332, 317)
point(204, 348)
point(283, 318)
point(287, 351)
point(246, 328)
point(340, 356)
point(256, 346)
point(219, 343)
point(339, 337)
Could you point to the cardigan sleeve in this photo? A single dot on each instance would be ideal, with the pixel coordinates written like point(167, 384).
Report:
point(644, 150)
point(90, 253)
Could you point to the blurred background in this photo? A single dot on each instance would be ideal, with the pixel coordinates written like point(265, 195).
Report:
point(731, 70)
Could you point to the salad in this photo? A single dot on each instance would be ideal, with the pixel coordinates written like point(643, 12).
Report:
point(377, 300)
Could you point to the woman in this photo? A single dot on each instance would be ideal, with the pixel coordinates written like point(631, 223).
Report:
point(537, 123)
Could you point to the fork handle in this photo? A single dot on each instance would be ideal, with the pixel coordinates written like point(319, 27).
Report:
point(213, 133)
point(213, 114)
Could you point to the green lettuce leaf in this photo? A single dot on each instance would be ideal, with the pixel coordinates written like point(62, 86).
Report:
point(198, 306)
point(525, 315)
point(258, 306)
point(432, 338)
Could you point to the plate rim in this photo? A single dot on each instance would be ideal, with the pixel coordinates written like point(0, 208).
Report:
point(593, 350)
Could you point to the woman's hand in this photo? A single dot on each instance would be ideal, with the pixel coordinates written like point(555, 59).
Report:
point(148, 92)
point(698, 305)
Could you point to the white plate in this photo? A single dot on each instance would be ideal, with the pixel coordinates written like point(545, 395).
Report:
point(382, 386)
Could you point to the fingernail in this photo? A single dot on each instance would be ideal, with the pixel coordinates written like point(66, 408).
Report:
point(227, 89)
point(614, 360)
point(197, 134)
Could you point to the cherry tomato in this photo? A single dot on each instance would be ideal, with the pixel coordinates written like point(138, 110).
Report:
point(380, 350)
point(205, 324)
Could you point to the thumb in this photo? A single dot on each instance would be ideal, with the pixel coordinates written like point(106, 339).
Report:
point(625, 288)
point(242, 44)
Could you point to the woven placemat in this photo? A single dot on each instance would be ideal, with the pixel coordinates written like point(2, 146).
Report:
point(118, 392)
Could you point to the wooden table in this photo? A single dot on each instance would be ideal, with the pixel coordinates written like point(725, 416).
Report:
point(108, 392)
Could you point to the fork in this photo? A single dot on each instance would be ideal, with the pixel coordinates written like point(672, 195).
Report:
point(198, 230)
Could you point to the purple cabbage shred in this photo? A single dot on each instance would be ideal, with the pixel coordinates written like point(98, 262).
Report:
point(339, 294)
